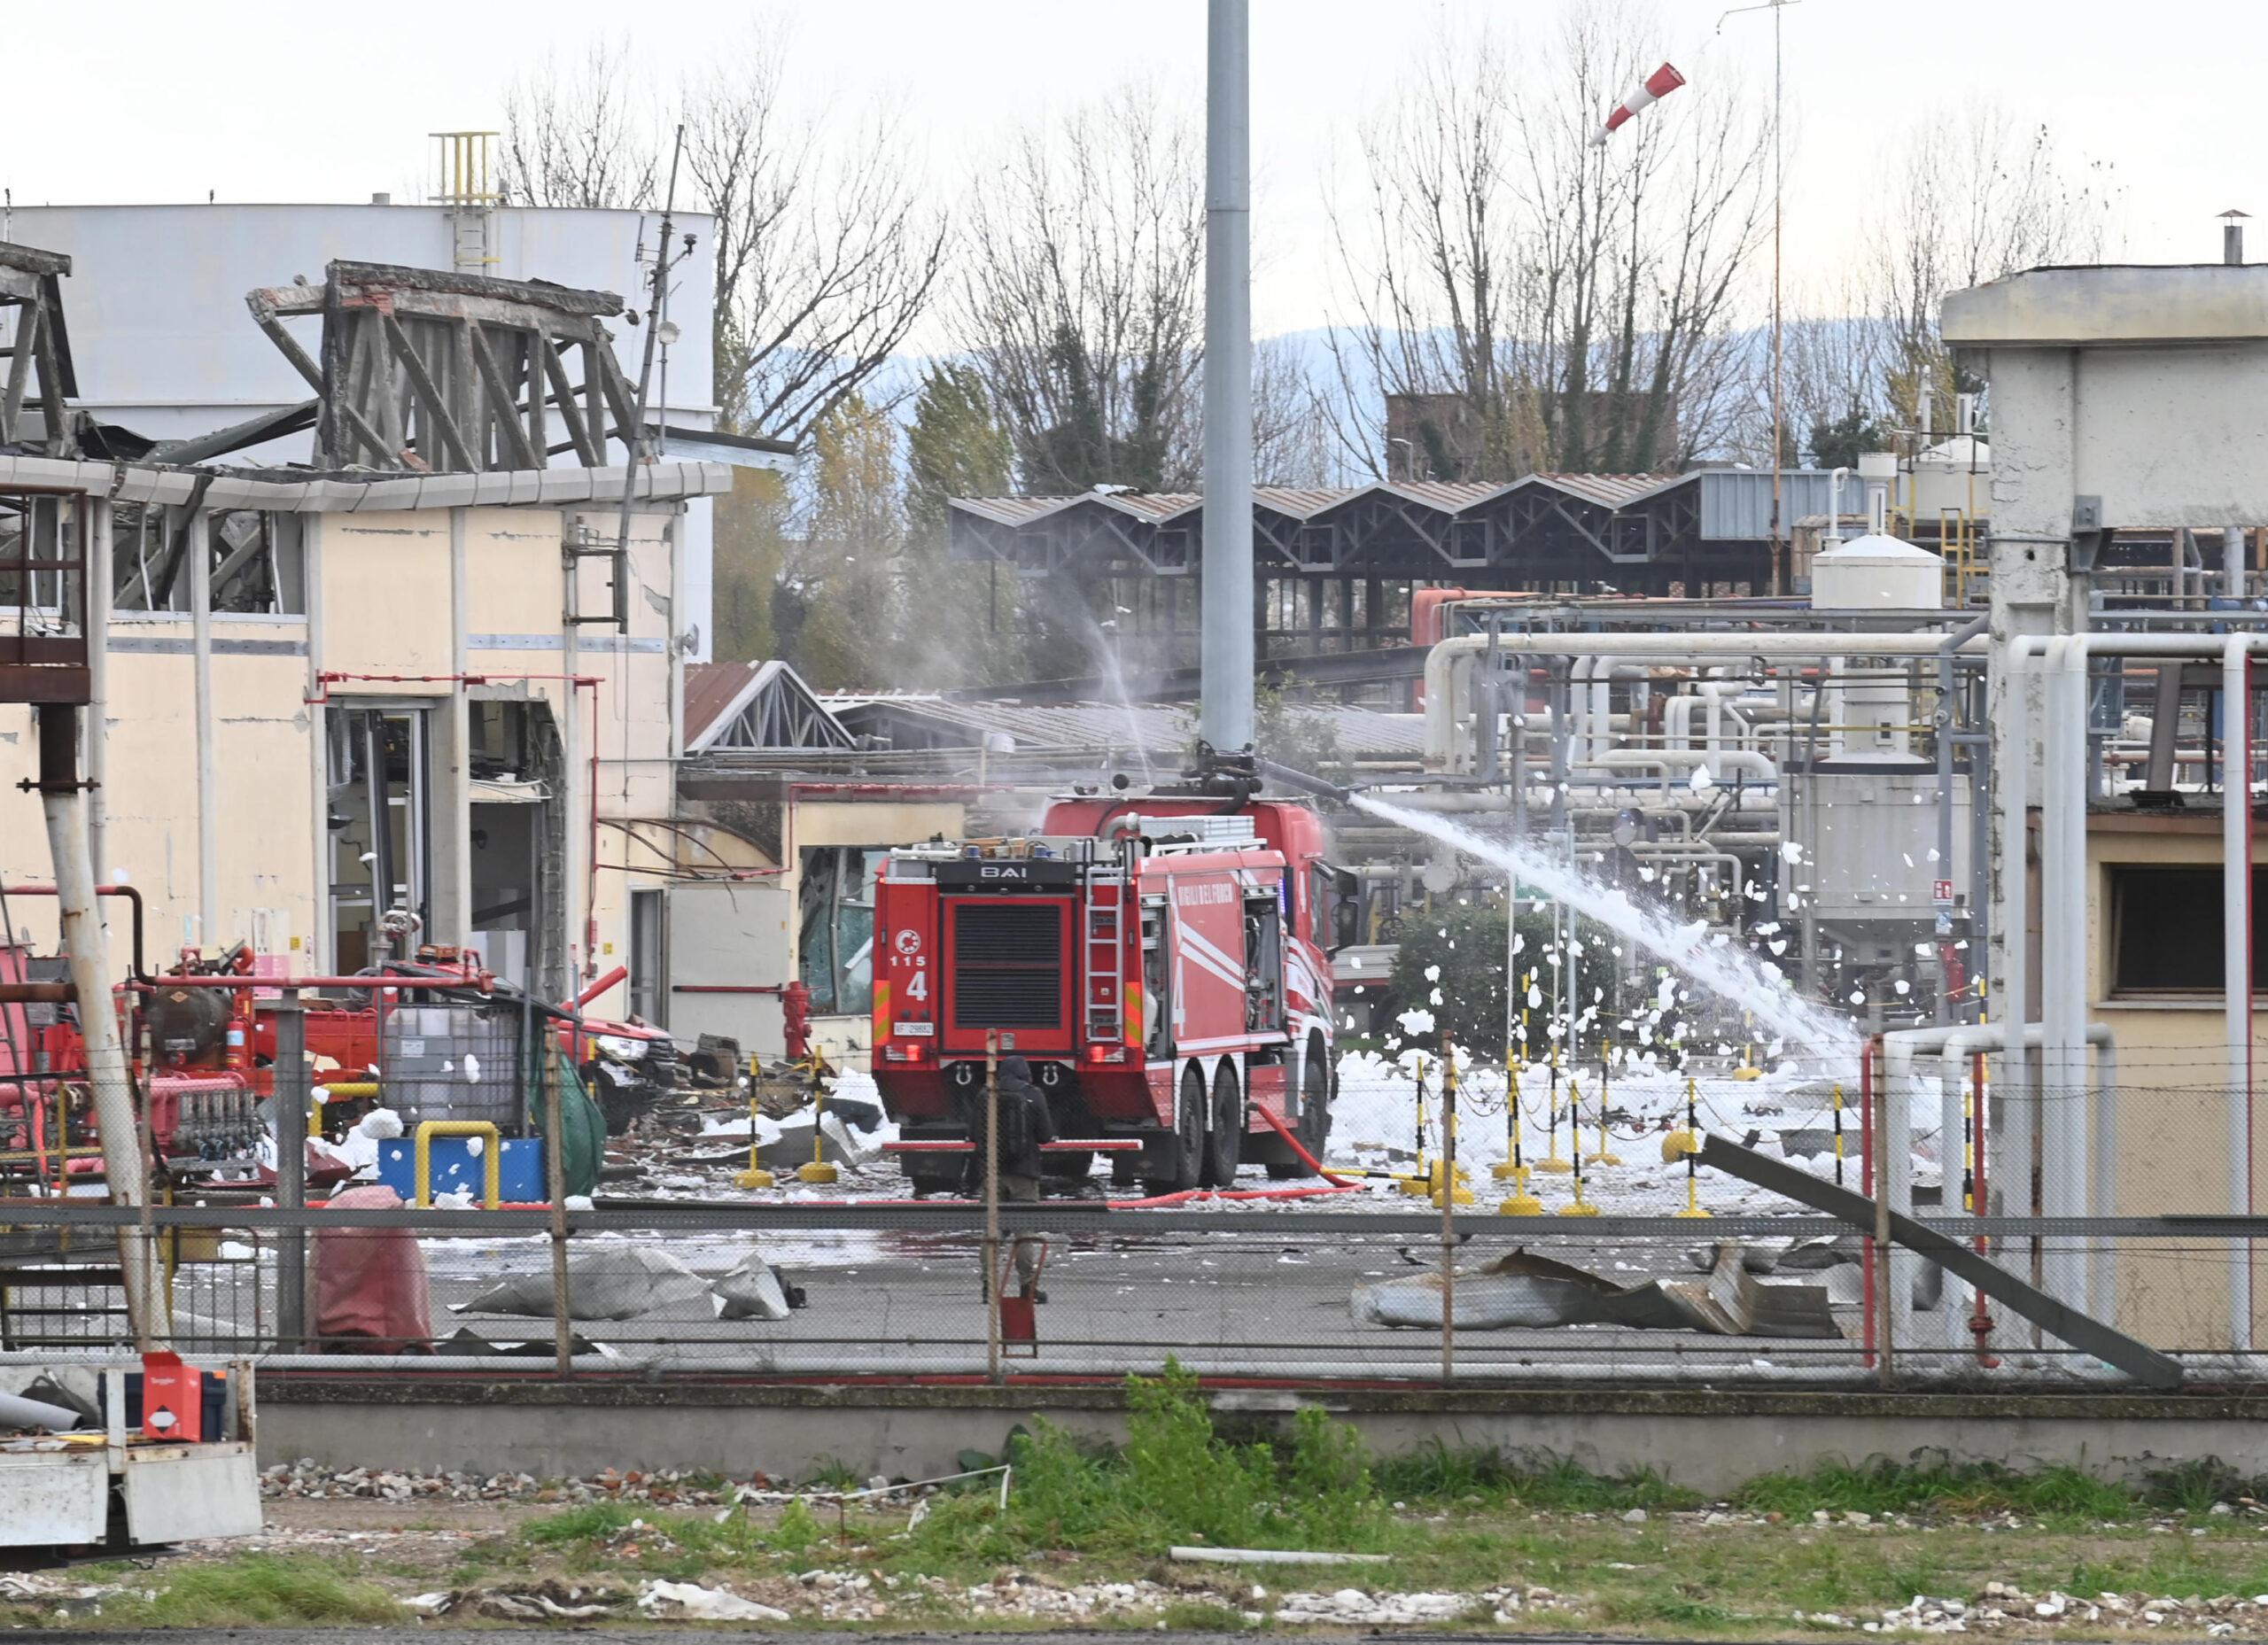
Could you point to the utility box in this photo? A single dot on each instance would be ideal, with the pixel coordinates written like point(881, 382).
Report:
point(56, 1489)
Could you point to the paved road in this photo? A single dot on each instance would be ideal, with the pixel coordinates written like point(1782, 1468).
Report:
point(708, 1630)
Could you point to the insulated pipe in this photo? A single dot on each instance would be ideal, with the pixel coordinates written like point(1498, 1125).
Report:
point(1757, 765)
point(2013, 987)
point(2236, 961)
point(2064, 1173)
point(96, 621)
point(1447, 659)
point(1953, 1046)
point(64, 804)
point(208, 781)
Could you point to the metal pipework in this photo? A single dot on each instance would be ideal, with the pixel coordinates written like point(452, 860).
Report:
point(2094, 1195)
point(1448, 663)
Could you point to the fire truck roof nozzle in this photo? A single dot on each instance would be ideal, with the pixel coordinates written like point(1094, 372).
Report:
point(1293, 777)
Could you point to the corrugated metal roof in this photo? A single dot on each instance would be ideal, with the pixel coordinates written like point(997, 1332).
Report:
point(1609, 491)
point(711, 689)
point(1449, 496)
point(1165, 729)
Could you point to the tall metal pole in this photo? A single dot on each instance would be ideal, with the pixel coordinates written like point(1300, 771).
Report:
point(1225, 651)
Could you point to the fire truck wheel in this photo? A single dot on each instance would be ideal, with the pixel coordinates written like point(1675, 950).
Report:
point(1224, 1148)
point(1315, 1111)
point(1186, 1154)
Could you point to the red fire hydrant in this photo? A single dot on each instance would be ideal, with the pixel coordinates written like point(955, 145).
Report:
point(795, 1014)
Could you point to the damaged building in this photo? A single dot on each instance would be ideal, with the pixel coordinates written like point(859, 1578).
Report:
point(427, 677)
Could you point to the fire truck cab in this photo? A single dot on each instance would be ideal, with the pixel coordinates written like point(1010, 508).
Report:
point(1161, 963)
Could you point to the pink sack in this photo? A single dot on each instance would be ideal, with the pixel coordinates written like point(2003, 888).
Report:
point(369, 1283)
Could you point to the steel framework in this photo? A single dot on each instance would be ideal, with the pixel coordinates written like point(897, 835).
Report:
point(424, 370)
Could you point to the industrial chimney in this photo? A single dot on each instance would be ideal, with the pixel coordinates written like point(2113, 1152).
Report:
point(2232, 237)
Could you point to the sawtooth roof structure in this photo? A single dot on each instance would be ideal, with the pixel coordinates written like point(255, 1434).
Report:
point(1636, 532)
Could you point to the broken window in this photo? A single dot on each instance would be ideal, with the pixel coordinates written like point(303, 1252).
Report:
point(377, 826)
point(836, 898)
point(257, 559)
point(37, 527)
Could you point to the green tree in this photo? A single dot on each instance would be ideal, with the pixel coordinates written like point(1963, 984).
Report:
point(833, 611)
point(968, 631)
point(751, 549)
point(1837, 444)
point(956, 447)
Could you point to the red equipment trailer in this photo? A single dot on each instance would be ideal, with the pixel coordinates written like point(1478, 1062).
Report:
point(1161, 963)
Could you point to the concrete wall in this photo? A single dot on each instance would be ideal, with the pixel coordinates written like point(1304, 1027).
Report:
point(1707, 1440)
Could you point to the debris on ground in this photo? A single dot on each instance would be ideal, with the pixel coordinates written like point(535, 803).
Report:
point(696, 1603)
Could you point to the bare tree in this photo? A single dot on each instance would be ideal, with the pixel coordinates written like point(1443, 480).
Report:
point(574, 135)
point(826, 254)
point(1082, 294)
point(1529, 299)
point(1980, 197)
point(826, 250)
point(1292, 441)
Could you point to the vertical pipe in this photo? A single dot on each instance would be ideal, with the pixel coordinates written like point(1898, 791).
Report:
point(124, 1165)
point(2236, 961)
point(1867, 1186)
point(1890, 1292)
point(554, 1184)
point(290, 1103)
point(95, 620)
point(2012, 979)
point(991, 1146)
point(319, 835)
point(200, 614)
point(452, 846)
point(1226, 649)
point(2063, 955)
point(1449, 1210)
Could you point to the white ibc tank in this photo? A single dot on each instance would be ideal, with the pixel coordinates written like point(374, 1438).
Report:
point(1877, 573)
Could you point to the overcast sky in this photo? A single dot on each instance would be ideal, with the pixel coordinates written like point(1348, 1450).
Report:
point(138, 101)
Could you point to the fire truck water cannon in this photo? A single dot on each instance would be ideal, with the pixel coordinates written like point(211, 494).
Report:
point(1161, 962)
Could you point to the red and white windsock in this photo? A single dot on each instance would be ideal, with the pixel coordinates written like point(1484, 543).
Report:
point(1659, 84)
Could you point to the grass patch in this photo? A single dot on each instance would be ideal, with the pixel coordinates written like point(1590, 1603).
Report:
point(1971, 1489)
point(257, 1588)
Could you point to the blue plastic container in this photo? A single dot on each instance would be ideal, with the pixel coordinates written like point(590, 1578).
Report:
point(454, 1166)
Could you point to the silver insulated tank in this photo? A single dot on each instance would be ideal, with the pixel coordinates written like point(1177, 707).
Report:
point(454, 1062)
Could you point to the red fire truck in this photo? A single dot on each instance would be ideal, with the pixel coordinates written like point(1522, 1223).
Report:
point(1161, 963)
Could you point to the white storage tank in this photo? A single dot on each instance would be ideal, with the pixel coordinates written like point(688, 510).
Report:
point(1877, 573)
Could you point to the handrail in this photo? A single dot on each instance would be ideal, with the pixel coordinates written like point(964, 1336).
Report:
point(491, 1157)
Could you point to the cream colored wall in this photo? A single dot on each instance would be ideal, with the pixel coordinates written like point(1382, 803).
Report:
point(2173, 1120)
point(385, 596)
point(262, 800)
point(386, 605)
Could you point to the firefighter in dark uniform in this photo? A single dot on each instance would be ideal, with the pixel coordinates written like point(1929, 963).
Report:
point(1025, 1123)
